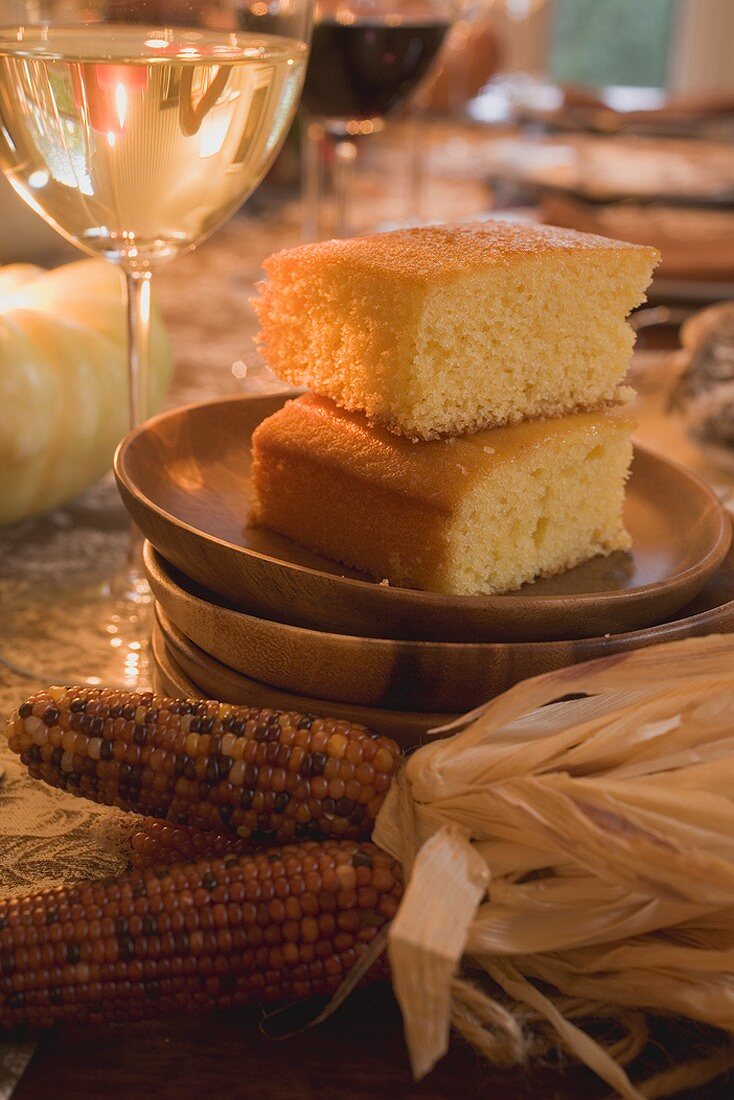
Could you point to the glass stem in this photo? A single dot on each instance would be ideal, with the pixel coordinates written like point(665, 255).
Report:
point(416, 168)
point(138, 351)
point(311, 162)
point(138, 344)
point(345, 155)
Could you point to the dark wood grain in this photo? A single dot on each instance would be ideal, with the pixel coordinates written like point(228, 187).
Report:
point(184, 671)
point(184, 477)
point(402, 675)
point(358, 1054)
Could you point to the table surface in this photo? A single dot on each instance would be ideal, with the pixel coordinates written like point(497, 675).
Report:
point(358, 1053)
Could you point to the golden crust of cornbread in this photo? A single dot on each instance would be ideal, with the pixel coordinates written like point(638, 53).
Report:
point(415, 513)
point(444, 330)
point(442, 251)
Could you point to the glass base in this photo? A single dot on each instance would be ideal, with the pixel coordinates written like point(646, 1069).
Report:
point(141, 254)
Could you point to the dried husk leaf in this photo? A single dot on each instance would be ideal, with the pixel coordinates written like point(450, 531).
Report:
point(605, 827)
point(427, 939)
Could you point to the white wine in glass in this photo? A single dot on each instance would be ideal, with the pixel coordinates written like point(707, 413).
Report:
point(136, 142)
point(135, 129)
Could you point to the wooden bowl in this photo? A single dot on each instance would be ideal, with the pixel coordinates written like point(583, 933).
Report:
point(174, 654)
point(426, 676)
point(167, 678)
point(184, 478)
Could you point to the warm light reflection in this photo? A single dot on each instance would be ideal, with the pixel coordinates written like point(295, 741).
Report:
point(7, 138)
point(14, 290)
point(186, 473)
point(121, 104)
point(364, 126)
point(145, 302)
point(38, 179)
point(212, 135)
point(104, 92)
point(517, 10)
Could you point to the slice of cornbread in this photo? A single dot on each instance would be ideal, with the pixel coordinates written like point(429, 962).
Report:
point(450, 329)
point(481, 513)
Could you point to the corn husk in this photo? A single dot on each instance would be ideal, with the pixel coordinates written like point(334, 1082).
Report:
point(580, 853)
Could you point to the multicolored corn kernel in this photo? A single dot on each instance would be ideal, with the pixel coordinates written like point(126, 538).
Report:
point(268, 775)
point(272, 925)
point(158, 843)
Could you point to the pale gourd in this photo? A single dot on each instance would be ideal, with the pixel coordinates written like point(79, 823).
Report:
point(63, 381)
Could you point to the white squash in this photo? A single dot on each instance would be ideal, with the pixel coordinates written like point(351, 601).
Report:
point(63, 381)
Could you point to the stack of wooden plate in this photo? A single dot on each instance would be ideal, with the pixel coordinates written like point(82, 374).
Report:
point(245, 616)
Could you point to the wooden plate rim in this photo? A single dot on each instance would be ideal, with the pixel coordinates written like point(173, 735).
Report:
point(405, 645)
point(716, 553)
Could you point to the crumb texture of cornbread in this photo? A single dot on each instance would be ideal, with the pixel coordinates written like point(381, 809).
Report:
point(445, 330)
point(479, 514)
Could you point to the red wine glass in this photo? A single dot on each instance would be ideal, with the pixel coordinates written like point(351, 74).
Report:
point(367, 58)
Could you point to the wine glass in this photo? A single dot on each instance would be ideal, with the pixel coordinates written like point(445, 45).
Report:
point(135, 128)
point(367, 57)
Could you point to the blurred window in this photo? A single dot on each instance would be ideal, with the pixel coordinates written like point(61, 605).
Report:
point(601, 42)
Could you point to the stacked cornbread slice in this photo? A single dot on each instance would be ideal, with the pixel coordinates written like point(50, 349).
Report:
point(468, 434)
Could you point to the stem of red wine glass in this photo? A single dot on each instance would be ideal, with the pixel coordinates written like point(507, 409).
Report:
point(416, 165)
point(311, 162)
point(345, 155)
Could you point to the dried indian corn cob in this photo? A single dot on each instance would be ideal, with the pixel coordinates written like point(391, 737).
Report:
point(265, 774)
point(271, 925)
point(157, 843)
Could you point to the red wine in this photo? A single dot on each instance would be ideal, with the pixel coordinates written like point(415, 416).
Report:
point(364, 70)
